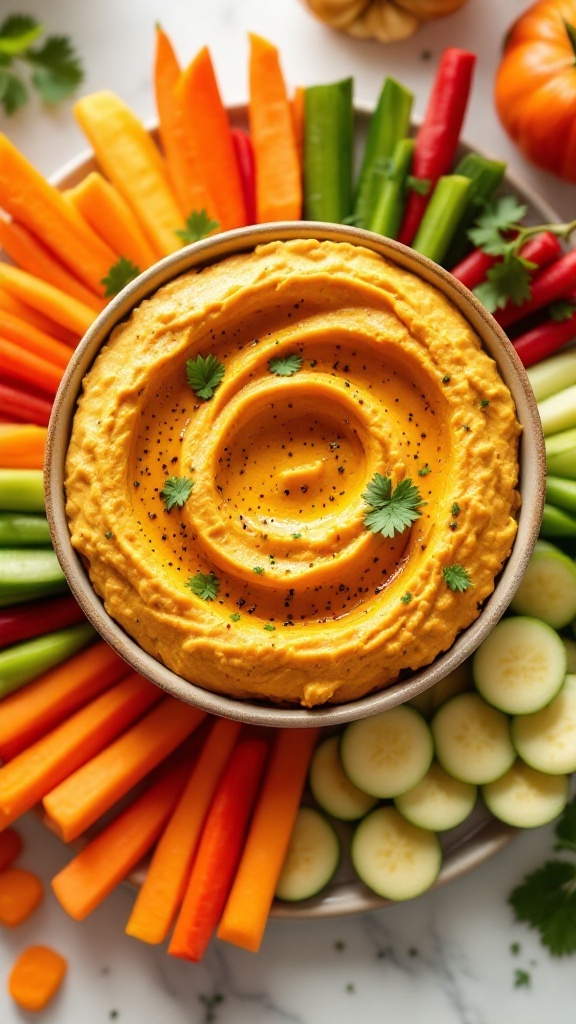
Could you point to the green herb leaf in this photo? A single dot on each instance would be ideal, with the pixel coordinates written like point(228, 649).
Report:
point(566, 828)
point(507, 280)
point(269, 627)
point(546, 901)
point(285, 366)
point(58, 69)
point(119, 275)
point(204, 375)
point(406, 598)
point(198, 225)
point(17, 33)
point(392, 511)
point(522, 978)
point(13, 92)
point(235, 616)
point(176, 491)
point(419, 185)
point(457, 577)
point(258, 569)
point(204, 585)
point(498, 218)
point(561, 310)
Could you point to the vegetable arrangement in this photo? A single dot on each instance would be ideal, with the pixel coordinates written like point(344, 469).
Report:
point(215, 806)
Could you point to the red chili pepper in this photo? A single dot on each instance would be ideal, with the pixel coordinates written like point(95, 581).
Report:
point(542, 249)
point(545, 339)
point(22, 407)
point(245, 157)
point(437, 138)
point(37, 618)
point(556, 281)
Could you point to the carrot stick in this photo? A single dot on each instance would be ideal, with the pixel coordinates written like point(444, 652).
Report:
point(208, 127)
point(11, 846)
point(31, 200)
point(219, 850)
point(108, 213)
point(36, 977)
point(190, 187)
point(33, 711)
point(29, 253)
point(28, 368)
point(52, 758)
point(278, 172)
point(92, 875)
point(22, 445)
point(132, 162)
point(10, 304)
point(78, 801)
point(20, 893)
point(248, 905)
point(167, 875)
point(17, 405)
point(12, 328)
point(47, 299)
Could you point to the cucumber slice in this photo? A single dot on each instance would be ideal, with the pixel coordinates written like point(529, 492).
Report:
point(546, 740)
point(439, 802)
point(520, 666)
point(331, 787)
point(525, 798)
point(459, 679)
point(389, 753)
point(548, 588)
point(472, 739)
point(312, 857)
point(394, 858)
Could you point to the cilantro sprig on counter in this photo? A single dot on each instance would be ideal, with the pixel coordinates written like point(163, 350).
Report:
point(52, 67)
point(392, 510)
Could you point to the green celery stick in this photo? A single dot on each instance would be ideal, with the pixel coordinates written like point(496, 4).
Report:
point(558, 411)
point(389, 124)
point(556, 522)
point(442, 216)
point(23, 662)
point(561, 492)
point(328, 151)
point(388, 211)
point(28, 573)
point(561, 454)
point(21, 490)
point(485, 176)
point(23, 530)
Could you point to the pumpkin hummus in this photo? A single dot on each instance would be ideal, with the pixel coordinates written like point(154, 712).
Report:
point(225, 525)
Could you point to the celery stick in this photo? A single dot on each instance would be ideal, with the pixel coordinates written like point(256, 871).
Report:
point(442, 216)
point(23, 662)
point(561, 492)
point(389, 124)
point(485, 176)
point(557, 522)
point(21, 490)
point(388, 211)
point(553, 374)
point(561, 454)
point(328, 151)
point(558, 412)
point(28, 573)
point(23, 529)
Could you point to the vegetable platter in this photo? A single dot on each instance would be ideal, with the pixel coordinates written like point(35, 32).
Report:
point(103, 752)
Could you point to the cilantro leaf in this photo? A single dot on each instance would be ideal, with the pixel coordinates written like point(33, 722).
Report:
point(498, 218)
point(392, 510)
point(546, 901)
point(457, 577)
point(285, 366)
point(566, 828)
point(508, 280)
point(58, 69)
point(419, 185)
point(561, 310)
point(17, 33)
point(204, 585)
point(204, 375)
point(176, 491)
point(198, 225)
point(13, 92)
point(119, 275)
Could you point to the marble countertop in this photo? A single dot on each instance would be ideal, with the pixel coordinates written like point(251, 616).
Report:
point(455, 955)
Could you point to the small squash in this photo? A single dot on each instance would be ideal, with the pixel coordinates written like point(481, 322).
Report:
point(385, 20)
point(535, 87)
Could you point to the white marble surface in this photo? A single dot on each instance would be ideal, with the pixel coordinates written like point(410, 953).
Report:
point(446, 958)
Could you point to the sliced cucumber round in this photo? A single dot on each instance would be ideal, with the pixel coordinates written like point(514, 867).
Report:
point(526, 798)
point(472, 739)
point(520, 666)
point(546, 740)
point(439, 801)
point(394, 858)
point(389, 753)
point(548, 588)
point(312, 857)
point(459, 679)
point(331, 787)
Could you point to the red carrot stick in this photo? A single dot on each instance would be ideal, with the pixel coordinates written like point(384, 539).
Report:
point(438, 136)
point(22, 407)
point(554, 282)
point(545, 339)
point(245, 157)
point(542, 249)
point(38, 617)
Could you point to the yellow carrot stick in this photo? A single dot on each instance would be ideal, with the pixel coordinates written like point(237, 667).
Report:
point(22, 446)
point(62, 308)
point(108, 213)
point(130, 159)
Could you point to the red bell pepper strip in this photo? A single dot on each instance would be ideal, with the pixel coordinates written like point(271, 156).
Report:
point(554, 282)
point(545, 339)
point(437, 138)
point(542, 249)
point(22, 407)
point(22, 622)
point(246, 164)
point(219, 850)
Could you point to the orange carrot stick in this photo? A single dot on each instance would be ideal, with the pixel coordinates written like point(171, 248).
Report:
point(30, 199)
point(28, 368)
point(36, 770)
point(33, 340)
point(92, 875)
point(208, 128)
point(47, 299)
point(33, 711)
point(36, 977)
point(10, 304)
point(20, 893)
point(108, 213)
point(78, 801)
point(29, 253)
point(22, 446)
point(10, 847)
point(133, 163)
point(278, 173)
point(163, 889)
point(248, 905)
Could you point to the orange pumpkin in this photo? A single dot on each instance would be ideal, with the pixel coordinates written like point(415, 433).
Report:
point(535, 89)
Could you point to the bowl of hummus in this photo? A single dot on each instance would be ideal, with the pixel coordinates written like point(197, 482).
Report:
point(295, 473)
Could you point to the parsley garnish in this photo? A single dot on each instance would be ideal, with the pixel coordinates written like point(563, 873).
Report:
point(406, 598)
point(296, 536)
point(522, 978)
point(235, 616)
point(56, 67)
point(119, 275)
point(198, 225)
point(176, 491)
point(425, 470)
point(269, 627)
point(204, 375)
point(258, 569)
point(455, 510)
point(204, 585)
point(419, 185)
point(456, 577)
point(391, 510)
point(561, 310)
point(285, 366)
